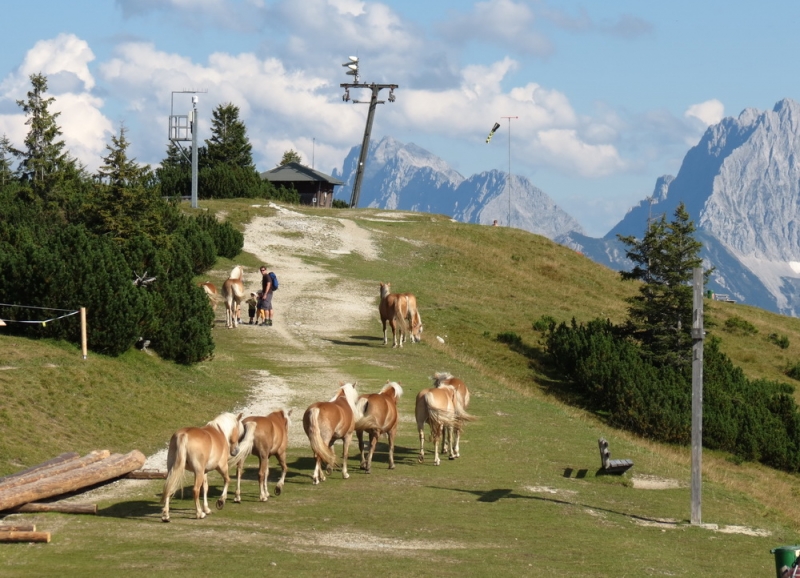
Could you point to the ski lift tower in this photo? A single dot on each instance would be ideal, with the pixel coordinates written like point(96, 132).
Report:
point(352, 67)
point(183, 128)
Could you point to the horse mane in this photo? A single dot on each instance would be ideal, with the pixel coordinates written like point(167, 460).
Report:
point(286, 416)
point(351, 395)
point(237, 272)
point(438, 378)
point(225, 422)
point(398, 390)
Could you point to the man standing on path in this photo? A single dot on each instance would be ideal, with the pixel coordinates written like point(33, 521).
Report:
point(266, 289)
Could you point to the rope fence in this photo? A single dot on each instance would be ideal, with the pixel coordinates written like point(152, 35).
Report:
point(44, 322)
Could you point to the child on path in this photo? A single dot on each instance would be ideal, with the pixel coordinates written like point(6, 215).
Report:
point(262, 313)
point(251, 308)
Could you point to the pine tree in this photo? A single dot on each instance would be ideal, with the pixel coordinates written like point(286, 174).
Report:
point(228, 143)
point(290, 156)
point(5, 161)
point(660, 316)
point(44, 160)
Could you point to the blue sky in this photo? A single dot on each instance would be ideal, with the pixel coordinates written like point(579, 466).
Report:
point(610, 95)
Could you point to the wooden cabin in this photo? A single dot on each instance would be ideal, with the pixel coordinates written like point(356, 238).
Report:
point(315, 188)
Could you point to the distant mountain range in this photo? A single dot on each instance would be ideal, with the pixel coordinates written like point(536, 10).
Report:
point(740, 185)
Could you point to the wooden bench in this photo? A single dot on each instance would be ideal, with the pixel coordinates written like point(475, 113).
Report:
point(610, 466)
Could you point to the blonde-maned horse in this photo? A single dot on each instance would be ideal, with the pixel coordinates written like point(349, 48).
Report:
point(233, 293)
point(440, 408)
point(200, 450)
point(400, 311)
point(379, 417)
point(452, 436)
point(327, 421)
point(265, 436)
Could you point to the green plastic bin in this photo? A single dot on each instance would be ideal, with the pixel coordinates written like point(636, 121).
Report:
point(785, 556)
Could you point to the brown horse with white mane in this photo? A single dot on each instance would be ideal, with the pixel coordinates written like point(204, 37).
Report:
point(452, 436)
point(265, 436)
point(400, 311)
point(380, 417)
point(233, 293)
point(327, 421)
point(200, 450)
point(211, 292)
point(440, 408)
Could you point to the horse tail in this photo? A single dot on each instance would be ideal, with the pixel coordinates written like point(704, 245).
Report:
point(245, 445)
point(400, 316)
point(318, 445)
point(460, 410)
point(365, 421)
point(176, 464)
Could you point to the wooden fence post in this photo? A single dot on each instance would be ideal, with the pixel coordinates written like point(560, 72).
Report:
point(83, 332)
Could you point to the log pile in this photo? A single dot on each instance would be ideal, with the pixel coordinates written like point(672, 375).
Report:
point(22, 491)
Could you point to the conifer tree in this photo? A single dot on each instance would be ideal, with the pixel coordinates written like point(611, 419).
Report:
point(228, 143)
point(43, 160)
point(290, 156)
point(660, 316)
point(5, 161)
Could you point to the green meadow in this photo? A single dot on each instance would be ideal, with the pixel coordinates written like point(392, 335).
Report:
point(525, 499)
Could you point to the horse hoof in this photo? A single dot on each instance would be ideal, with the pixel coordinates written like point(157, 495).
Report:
point(237, 500)
point(391, 467)
point(451, 457)
point(420, 459)
point(315, 482)
point(368, 470)
point(345, 476)
point(165, 520)
point(278, 491)
point(220, 504)
point(328, 470)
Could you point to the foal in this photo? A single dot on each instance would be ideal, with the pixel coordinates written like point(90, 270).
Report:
point(265, 437)
point(327, 421)
point(200, 450)
point(380, 417)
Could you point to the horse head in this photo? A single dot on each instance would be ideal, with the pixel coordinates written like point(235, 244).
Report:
point(385, 290)
point(233, 429)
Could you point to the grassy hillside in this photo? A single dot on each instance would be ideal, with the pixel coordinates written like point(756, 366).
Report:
point(524, 499)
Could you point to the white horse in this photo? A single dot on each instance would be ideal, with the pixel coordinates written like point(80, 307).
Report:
point(233, 293)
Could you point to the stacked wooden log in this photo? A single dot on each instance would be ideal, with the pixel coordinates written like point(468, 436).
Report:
point(61, 475)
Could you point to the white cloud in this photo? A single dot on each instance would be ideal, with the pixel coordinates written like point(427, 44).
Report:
point(65, 61)
point(565, 149)
point(708, 112)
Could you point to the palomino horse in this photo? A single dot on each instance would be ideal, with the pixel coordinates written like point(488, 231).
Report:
point(265, 437)
point(400, 311)
point(440, 408)
point(450, 443)
point(327, 421)
point(379, 417)
point(200, 450)
point(233, 293)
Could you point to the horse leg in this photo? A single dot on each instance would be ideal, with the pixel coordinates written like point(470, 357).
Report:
point(345, 450)
point(263, 475)
point(360, 436)
point(165, 509)
point(223, 470)
point(385, 341)
point(317, 470)
point(279, 486)
point(421, 444)
point(373, 441)
point(237, 497)
point(394, 327)
point(435, 433)
point(456, 445)
point(443, 431)
point(200, 482)
point(391, 433)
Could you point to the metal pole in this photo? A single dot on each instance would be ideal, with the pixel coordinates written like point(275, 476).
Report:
point(84, 348)
point(508, 179)
point(194, 154)
point(697, 395)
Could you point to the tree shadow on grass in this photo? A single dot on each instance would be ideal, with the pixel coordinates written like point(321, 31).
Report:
point(498, 494)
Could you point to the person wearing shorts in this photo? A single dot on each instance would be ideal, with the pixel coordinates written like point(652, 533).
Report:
point(266, 300)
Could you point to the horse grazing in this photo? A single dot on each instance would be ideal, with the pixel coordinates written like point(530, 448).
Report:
point(265, 437)
point(440, 408)
point(200, 450)
point(450, 443)
point(233, 293)
point(379, 417)
point(400, 311)
point(211, 292)
point(327, 421)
